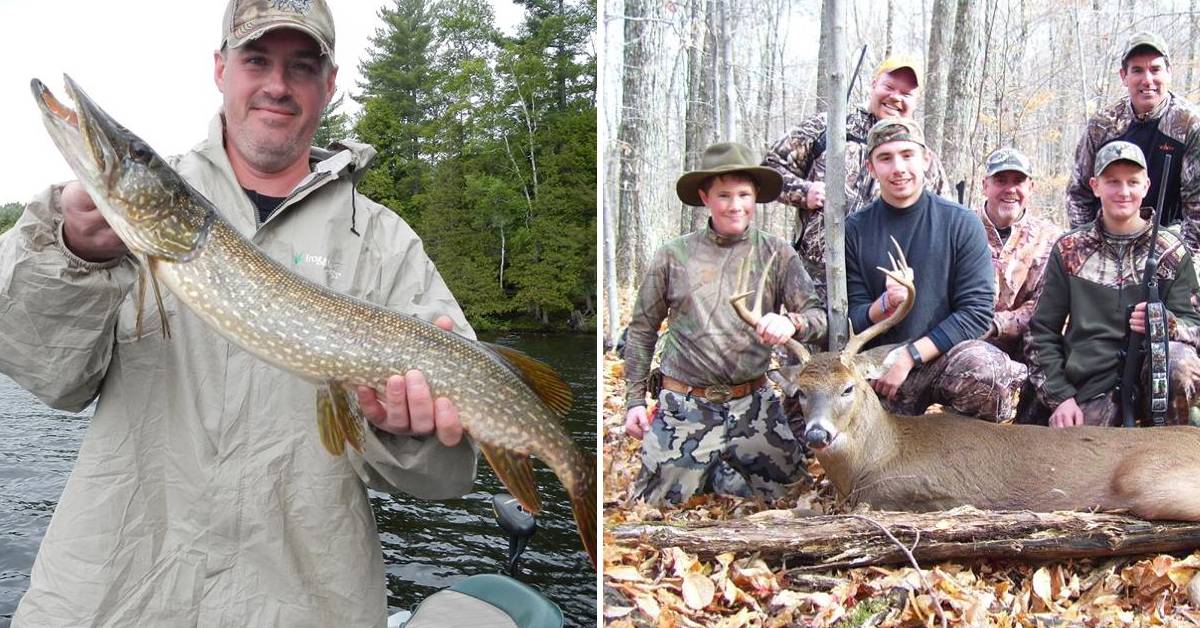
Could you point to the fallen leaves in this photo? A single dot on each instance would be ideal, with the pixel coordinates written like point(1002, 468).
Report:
point(670, 588)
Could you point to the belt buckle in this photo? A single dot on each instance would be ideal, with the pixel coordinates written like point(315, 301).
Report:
point(718, 393)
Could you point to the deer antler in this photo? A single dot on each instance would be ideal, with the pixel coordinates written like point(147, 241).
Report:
point(752, 316)
point(902, 274)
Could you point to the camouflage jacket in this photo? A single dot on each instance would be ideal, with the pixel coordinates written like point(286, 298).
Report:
point(1092, 277)
point(1020, 265)
point(1178, 131)
point(800, 157)
point(689, 283)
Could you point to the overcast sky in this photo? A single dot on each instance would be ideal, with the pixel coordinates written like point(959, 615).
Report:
point(148, 63)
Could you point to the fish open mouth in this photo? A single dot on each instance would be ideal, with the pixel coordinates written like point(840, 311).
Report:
point(53, 107)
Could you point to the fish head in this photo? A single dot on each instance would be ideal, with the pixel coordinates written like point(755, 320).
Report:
point(151, 208)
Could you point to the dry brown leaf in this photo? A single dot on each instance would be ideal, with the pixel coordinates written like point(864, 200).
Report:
point(1042, 588)
point(649, 606)
point(698, 591)
point(623, 573)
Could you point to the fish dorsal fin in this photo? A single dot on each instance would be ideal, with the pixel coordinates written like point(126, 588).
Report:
point(543, 380)
point(516, 473)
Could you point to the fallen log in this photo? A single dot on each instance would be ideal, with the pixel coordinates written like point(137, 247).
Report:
point(837, 541)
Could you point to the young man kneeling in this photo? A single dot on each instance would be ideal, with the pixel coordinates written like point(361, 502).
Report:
point(1094, 275)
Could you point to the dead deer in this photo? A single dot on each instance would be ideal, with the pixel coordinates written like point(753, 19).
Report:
point(939, 461)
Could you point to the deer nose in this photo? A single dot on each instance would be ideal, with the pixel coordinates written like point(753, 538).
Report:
point(817, 437)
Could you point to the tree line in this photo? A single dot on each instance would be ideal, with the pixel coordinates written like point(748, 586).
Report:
point(487, 147)
point(685, 74)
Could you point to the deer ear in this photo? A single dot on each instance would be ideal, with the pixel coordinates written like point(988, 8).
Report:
point(784, 377)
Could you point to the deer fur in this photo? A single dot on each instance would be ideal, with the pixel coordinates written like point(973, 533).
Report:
point(940, 461)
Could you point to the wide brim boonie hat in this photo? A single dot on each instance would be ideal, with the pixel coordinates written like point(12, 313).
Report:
point(729, 158)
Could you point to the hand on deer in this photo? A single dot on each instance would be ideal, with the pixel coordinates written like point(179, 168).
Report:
point(637, 422)
point(890, 383)
point(774, 329)
point(1067, 414)
point(892, 297)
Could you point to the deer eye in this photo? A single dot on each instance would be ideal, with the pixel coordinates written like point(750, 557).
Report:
point(848, 390)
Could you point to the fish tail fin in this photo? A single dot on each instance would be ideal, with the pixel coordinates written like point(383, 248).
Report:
point(583, 502)
point(516, 473)
point(338, 421)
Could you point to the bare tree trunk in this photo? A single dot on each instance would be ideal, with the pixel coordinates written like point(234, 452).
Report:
point(889, 32)
point(822, 100)
point(840, 541)
point(1083, 96)
point(941, 33)
point(961, 91)
point(728, 83)
point(698, 111)
point(1189, 86)
point(633, 226)
point(835, 180)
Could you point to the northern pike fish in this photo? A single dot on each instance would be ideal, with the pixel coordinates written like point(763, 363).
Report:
point(511, 404)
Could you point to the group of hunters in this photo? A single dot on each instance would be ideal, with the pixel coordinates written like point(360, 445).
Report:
point(1013, 319)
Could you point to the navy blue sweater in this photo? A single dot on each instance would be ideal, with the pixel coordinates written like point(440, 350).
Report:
point(946, 246)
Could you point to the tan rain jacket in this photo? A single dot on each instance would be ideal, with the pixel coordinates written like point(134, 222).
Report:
point(202, 495)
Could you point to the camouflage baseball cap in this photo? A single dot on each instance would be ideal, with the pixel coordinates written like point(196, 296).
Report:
point(894, 130)
point(1008, 158)
point(893, 63)
point(247, 20)
point(1145, 39)
point(1118, 151)
point(729, 158)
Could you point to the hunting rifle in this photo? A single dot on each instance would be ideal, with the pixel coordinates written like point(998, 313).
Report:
point(1155, 342)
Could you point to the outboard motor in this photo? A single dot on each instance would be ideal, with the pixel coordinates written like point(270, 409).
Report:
point(490, 600)
point(518, 523)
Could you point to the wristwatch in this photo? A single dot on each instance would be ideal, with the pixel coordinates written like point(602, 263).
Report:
point(914, 353)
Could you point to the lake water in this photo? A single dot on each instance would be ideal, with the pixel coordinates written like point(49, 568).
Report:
point(427, 545)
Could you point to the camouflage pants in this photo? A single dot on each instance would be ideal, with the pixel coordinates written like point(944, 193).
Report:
point(973, 378)
point(735, 448)
point(1105, 410)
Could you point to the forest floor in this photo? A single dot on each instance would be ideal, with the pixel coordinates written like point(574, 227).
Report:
point(648, 586)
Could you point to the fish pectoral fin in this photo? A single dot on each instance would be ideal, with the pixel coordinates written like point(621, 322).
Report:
point(338, 420)
point(158, 301)
point(516, 472)
point(143, 277)
point(547, 384)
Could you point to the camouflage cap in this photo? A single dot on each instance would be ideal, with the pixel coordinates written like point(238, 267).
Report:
point(1117, 151)
point(894, 130)
point(1008, 158)
point(729, 158)
point(247, 20)
point(1144, 39)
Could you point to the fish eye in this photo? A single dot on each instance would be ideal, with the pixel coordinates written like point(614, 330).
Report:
point(140, 152)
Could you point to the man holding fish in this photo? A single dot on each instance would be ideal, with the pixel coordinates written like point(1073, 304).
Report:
point(201, 495)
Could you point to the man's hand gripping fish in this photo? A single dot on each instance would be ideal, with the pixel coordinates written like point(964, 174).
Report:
point(510, 404)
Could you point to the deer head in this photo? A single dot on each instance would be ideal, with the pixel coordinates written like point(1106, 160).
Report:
point(827, 395)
